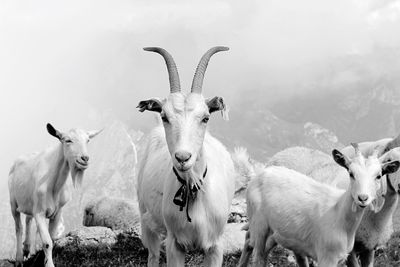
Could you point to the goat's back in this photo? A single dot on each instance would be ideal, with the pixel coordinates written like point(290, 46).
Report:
point(288, 200)
point(26, 175)
point(301, 159)
point(313, 163)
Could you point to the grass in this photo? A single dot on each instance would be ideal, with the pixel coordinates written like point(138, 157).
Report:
point(129, 251)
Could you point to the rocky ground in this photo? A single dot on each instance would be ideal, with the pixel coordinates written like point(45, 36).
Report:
point(101, 247)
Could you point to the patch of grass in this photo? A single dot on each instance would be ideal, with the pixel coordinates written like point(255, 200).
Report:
point(389, 256)
point(129, 251)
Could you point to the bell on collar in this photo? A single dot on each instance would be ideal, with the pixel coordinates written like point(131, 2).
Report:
point(180, 197)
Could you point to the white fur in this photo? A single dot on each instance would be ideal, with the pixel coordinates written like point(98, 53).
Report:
point(37, 185)
point(184, 145)
point(244, 169)
point(306, 216)
point(157, 185)
point(375, 228)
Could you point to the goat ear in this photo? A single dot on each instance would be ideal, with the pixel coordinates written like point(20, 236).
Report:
point(217, 104)
point(92, 134)
point(150, 105)
point(390, 167)
point(340, 158)
point(52, 131)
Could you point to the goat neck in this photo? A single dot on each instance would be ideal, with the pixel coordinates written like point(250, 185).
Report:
point(348, 216)
point(58, 170)
point(391, 200)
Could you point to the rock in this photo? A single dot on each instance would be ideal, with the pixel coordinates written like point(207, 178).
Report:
point(111, 173)
point(233, 237)
point(238, 210)
point(114, 213)
point(324, 139)
point(87, 237)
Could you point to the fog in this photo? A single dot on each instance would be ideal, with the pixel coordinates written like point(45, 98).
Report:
point(81, 63)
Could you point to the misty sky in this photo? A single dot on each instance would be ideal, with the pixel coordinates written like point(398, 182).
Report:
point(81, 63)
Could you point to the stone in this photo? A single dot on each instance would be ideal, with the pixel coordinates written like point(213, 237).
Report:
point(101, 237)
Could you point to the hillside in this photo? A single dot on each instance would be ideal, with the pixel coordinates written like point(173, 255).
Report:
point(364, 114)
point(321, 121)
point(264, 133)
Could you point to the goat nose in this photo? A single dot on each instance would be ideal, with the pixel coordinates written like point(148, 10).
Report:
point(85, 158)
point(363, 197)
point(182, 156)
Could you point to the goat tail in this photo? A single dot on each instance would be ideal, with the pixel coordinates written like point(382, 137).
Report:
point(244, 165)
point(243, 162)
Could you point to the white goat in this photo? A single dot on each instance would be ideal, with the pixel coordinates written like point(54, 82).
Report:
point(184, 167)
point(376, 226)
point(376, 229)
point(308, 217)
point(37, 188)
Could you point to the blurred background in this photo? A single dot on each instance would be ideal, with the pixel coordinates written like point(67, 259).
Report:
point(315, 73)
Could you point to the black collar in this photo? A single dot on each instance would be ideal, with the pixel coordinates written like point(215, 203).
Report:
point(184, 193)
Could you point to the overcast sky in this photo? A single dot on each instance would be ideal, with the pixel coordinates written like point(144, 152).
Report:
point(81, 63)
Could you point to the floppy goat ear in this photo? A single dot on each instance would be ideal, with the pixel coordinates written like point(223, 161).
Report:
point(217, 103)
point(340, 158)
point(390, 167)
point(150, 105)
point(52, 131)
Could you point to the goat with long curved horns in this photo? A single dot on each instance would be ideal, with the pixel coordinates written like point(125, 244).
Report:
point(185, 181)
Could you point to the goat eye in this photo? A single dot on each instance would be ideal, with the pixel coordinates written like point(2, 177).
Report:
point(164, 119)
point(205, 119)
point(68, 141)
point(351, 175)
point(379, 177)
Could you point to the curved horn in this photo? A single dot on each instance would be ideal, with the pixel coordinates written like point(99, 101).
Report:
point(198, 78)
point(174, 81)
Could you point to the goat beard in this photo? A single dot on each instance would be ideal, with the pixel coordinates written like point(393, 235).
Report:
point(376, 205)
point(77, 176)
point(194, 179)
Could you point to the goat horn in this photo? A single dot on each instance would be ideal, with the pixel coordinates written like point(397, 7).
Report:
point(174, 81)
point(198, 78)
point(356, 148)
